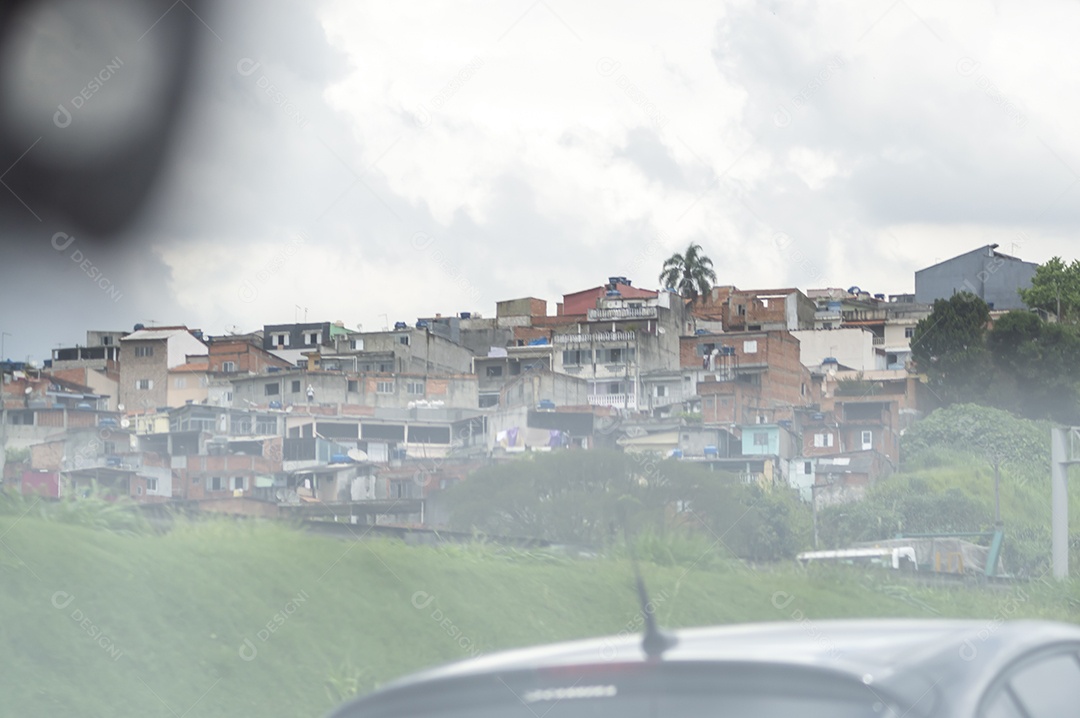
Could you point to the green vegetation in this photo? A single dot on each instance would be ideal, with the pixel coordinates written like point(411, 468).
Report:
point(587, 498)
point(1056, 288)
point(690, 274)
point(228, 618)
point(1022, 364)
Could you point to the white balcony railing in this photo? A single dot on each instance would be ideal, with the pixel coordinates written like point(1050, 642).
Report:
point(622, 313)
point(619, 401)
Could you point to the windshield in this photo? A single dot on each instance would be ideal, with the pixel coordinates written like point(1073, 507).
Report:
point(344, 339)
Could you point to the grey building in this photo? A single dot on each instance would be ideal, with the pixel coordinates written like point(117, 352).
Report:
point(988, 274)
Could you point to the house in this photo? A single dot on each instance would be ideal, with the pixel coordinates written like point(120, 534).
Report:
point(746, 377)
point(850, 346)
point(626, 332)
point(889, 320)
point(95, 365)
point(189, 382)
point(538, 387)
point(523, 428)
point(994, 277)
point(756, 309)
point(146, 356)
point(403, 349)
point(503, 365)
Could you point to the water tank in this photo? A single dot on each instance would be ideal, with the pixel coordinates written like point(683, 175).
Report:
point(339, 459)
point(400, 325)
point(465, 315)
point(139, 327)
point(421, 323)
point(546, 405)
point(711, 451)
point(829, 360)
point(275, 404)
point(676, 453)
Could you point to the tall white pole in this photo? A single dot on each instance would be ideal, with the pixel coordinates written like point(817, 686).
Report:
point(1059, 498)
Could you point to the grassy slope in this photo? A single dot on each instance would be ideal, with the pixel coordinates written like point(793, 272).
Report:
point(179, 607)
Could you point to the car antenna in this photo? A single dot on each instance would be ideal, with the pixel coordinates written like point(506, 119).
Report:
point(654, 641)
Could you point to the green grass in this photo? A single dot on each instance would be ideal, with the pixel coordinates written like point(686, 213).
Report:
point(178, 608)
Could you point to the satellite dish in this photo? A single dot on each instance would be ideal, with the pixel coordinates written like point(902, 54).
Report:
point(125, 422)
point(357, 455)
point(29, 390)
point(119, 407)
point(288, 408)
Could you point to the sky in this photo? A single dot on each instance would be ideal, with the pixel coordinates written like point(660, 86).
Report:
point(378, 162)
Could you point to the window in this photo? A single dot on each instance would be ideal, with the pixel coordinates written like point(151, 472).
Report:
point(228, 366)
point(295, 387)
point(867, 440)
point(515, 369)
point(1049, 687)
point(384, 387)
point(749, 346)
point(353, 386)
point(823, 440)
point(271, 389)
point(151, 484)
point(179, 382)
point(144, 384)
point(215, 483)
point(238, 483)
point(403, 339)
point(279, 340)
point(577, 357)
point(909, 332)
point(357, 344)
point(311, 338)
point(660, 390)
point(494, 371)
point(414, 387)
point(761, 438)
point(265, 425)
point(144, 351)
point(807, 468)
point(106, 341)
point(138, 490)
point(741, 310)
point(386, 366)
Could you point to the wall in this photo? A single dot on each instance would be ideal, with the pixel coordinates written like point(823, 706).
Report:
point(989, 275)
point(134, 368)
point(851, 347)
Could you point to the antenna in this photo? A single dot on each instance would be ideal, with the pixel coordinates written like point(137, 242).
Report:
point(654, 641)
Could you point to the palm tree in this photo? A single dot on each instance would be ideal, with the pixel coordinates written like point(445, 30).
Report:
point(690, 273)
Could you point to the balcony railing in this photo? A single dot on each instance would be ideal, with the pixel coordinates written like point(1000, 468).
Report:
point(619, 401)
point(600, 315)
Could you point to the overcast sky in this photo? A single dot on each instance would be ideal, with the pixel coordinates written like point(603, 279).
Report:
point(375, 162)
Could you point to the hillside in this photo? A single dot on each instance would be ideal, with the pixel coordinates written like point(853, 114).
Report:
point(228, 619)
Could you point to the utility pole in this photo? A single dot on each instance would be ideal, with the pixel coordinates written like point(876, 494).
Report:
point(2, 335)
point(997, 492)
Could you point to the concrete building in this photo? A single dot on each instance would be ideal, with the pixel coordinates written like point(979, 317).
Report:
point(401, 350)
point(627, 332)
point(988, 274)
point(756, 309)
point(146, 356)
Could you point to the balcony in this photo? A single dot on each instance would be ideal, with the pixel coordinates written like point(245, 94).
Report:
point(878, 341)
point(616, 313)
point(618, 401)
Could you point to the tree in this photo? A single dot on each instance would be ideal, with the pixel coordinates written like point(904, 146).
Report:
point(690, 273)
point(1037, 366)
point(949, 347)
point(1056, 288)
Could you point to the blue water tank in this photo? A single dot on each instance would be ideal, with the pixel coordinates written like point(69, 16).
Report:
point(275, 404)
point(465, 315)
point(676, 453)
point(546, 404)
point(711, 451)
point(400, 325)
point(339, 459)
